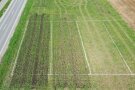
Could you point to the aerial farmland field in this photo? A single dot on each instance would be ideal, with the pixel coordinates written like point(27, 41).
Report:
point(73, 45)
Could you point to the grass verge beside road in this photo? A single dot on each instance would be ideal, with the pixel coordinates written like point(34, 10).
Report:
point(14, 43)
point(5, 7)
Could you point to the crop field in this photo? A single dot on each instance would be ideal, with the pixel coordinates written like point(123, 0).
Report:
point(74, 45)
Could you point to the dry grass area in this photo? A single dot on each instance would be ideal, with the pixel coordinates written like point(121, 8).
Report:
point(127, 9)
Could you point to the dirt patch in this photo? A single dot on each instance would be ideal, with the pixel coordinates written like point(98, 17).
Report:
point(127, 9)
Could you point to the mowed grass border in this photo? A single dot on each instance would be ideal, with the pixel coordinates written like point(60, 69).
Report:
point(11, 52)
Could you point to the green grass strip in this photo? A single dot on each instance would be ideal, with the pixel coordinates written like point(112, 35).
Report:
point(5, 7)
point(11, 52)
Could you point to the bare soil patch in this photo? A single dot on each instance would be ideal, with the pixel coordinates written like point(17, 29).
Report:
point(126, 8)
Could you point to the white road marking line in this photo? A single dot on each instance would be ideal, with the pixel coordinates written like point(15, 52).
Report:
point(2, 23)
point(11, 32)
point(118, 49)
point(9, 9)
point(86, 58)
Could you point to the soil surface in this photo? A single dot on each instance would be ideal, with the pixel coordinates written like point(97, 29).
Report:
point(127, 9)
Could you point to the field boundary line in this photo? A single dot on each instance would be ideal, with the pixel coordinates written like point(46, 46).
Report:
point(80, 9)
point(51, 46)
point(85, 54)
point(118, 49)
point(18, 52)
point(96, 74)
point(94, 20)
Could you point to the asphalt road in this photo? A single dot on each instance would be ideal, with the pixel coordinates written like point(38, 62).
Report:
point(8, 23)
point(2, 3)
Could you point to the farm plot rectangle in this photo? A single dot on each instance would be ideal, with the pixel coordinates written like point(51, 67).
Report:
point(103, 53)
point(68, 57)
point(123, 37)
point(67, 49)
point(33, 60)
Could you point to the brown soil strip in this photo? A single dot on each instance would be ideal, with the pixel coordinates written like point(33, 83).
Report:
point(126, 8)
